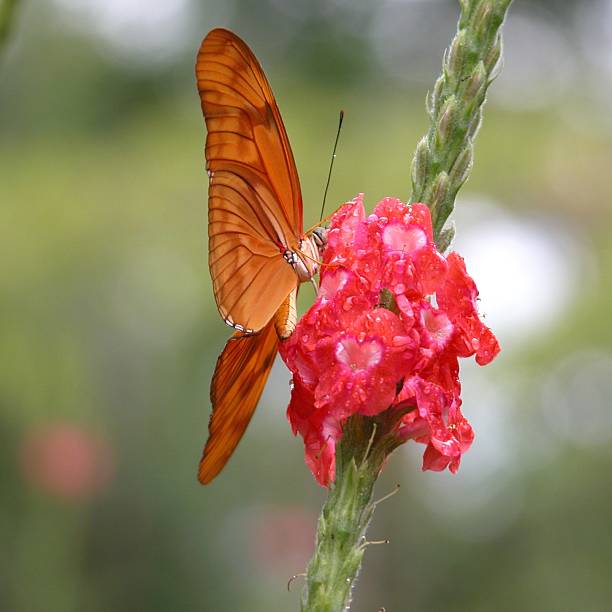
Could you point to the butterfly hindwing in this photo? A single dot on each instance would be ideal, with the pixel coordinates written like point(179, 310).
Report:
point(238, 382)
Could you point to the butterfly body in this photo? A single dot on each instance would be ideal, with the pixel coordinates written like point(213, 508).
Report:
point(258, 252)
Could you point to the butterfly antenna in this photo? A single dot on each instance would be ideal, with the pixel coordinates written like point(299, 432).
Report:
point(331, 164)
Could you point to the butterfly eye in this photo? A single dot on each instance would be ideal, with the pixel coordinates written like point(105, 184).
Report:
point(320, 238)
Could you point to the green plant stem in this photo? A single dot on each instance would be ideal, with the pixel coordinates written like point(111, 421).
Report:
point(340, 542)
point(441, 164)
point(444, 156)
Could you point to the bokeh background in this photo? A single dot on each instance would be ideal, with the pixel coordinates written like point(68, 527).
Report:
point(109, 333)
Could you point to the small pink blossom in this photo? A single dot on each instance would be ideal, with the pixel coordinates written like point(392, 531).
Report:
point(392, 317)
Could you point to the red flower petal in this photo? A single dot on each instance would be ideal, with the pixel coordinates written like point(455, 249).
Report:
point(349, 355)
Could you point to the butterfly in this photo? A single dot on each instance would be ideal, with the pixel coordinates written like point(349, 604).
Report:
point(258, 252)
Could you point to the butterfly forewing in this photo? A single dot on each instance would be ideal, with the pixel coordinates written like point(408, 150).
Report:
point(255, 206)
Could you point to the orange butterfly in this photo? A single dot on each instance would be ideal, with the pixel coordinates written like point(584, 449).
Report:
point(258, 252)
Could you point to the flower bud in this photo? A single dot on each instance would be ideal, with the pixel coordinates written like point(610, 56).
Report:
point(482, 20)
point(446, 237)
point(475, 125)
point(447, 121)
point(456, 55)
point(436, 97)
point(477, 82)
point(439, 192)
point(420, 164)
point(462, 166)
point(465, 7)
point(429, 104)
point(493, 55)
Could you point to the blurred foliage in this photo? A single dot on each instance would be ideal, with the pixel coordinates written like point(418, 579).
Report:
point(108, 323)
point(7, 15)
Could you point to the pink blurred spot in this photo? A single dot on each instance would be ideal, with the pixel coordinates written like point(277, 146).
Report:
point(67, 461)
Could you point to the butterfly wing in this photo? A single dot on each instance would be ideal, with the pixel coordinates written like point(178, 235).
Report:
point(254, 197)
point(240, 375)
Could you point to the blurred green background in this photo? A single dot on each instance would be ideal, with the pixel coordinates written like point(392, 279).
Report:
point(109, 332)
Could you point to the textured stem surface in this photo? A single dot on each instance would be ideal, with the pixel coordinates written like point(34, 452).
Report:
point(345, 517)
point(443, 158)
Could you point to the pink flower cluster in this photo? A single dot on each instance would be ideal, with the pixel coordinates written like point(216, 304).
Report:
point(357, 351)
